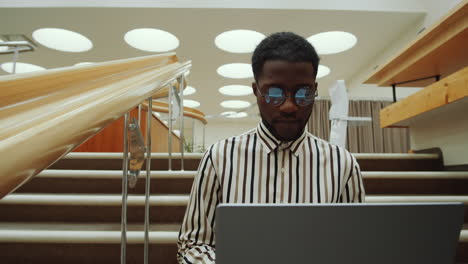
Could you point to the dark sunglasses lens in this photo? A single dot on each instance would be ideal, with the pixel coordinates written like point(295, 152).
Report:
point(304, 96)
point(274, 95)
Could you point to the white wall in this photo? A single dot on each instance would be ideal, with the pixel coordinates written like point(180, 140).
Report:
point(220, 129)
point(445, 127)
point(435, 10)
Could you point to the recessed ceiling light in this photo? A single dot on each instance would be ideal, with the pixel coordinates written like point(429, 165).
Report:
point(236, 70)
point(239, 41)
point(231, 114)
point(151, 39)
point(235, 104)
point(332, 42)
point(21, 67)
point(235, 90)
point(322, 71)
point(189, 90)
point(83, 63)
point(62, 40)
point(3, 48)
point(191, 103)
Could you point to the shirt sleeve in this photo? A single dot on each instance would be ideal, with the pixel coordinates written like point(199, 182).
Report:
point(353, 191)
point(196, 242)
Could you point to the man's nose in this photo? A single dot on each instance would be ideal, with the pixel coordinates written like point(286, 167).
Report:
point(289, 105)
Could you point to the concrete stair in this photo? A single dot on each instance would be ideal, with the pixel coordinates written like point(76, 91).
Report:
point(71, 212)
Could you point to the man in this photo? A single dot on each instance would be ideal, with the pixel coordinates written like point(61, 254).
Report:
point(278, 162)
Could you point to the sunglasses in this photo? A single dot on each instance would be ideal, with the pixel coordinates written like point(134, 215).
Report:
point(304, 96)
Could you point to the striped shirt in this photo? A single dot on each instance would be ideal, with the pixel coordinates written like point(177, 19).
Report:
point(255, 167)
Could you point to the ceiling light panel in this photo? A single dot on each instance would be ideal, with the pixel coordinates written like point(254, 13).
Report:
point(3, 48)
point(239, 41)
point(231, 114)
point(84, 63)
point(191, 103)
point(151, 40)
point(235, 70)
point(21, 67)
point(332, 42)
point(189, 90)
point(236, 90)
point(236, 104)
point(322, 71)
point(62, 40)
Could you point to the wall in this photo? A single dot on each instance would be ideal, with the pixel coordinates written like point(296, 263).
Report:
point(221, 129)
point(435, 10)
point(445, 127)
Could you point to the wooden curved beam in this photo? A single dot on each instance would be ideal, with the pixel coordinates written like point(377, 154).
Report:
point(163, 107)
point(44, 115)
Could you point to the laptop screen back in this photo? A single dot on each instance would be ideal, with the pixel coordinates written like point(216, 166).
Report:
point(338, 233)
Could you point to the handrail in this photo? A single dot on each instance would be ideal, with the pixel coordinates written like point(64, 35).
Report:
point(44, 115)
point(163, 107)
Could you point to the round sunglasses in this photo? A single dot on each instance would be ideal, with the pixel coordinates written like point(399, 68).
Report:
point(304, 96)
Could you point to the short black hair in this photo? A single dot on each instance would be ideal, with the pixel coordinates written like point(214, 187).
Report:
point(286, 46)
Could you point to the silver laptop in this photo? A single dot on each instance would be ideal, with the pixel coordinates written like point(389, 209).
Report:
point(338, 233)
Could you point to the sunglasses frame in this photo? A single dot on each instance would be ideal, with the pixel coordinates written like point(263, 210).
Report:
point(284, 96)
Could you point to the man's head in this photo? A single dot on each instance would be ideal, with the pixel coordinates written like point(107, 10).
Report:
point(285, 66)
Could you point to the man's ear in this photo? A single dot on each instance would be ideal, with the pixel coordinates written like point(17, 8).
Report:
point(254, 88)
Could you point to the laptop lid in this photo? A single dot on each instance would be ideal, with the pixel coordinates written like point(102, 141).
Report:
point(338, 233)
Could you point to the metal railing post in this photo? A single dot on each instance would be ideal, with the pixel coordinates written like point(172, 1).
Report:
point(169, 134)
point(204, 127)
point(148, 178)
point(139, 114)
point(123, 242)
point(181, 112)
point(193, 135)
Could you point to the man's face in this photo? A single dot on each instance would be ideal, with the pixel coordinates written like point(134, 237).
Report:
point(287, 120)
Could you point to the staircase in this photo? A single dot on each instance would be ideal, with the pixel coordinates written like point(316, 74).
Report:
point(70, 213)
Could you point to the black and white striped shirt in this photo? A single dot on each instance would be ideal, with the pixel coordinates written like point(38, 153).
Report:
point(255, 167)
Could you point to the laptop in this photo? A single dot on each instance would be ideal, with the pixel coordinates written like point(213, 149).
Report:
point(338, 233)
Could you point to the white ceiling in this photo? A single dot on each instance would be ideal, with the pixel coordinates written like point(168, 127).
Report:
point(197, 28)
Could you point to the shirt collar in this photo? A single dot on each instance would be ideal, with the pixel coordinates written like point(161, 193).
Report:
point(270, 142)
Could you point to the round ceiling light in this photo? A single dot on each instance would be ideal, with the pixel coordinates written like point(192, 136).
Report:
point(83, 63)
point(189, 90)
point(151, 39)
point(191, 103)
point(332, 42)
point(235, 104)
point(236, 70)
point(21, 67)
point(3, 48)
point(322, 71)
point(62, 40)
point(231, 114)
point(236, 90)
point(239, 41)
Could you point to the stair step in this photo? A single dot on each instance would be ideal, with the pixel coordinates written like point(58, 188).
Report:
point(164, 208)
point(367, 161)
point(178, 155)
point(98, 233)
point(93, 233)
point(181, 200)
point(167, 182)
point(178, 174)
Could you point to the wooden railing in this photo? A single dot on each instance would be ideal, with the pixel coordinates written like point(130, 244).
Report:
point(163, 107)
point(44, 115)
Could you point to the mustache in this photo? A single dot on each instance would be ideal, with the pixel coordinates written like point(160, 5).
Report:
point(286, 118)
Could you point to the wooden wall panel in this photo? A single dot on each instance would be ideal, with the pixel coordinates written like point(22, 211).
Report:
point(110, 139)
